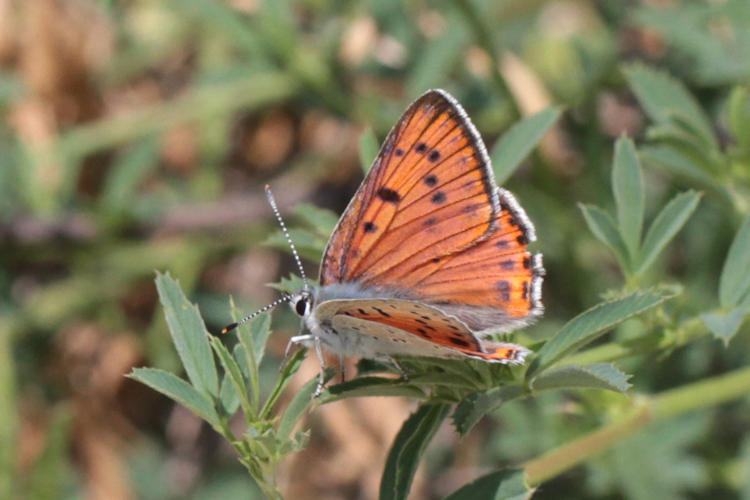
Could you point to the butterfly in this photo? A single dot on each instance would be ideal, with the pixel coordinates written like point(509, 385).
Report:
point(430, 257)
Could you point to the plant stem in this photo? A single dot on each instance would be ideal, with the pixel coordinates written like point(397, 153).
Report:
point(647, 410)
point(8, 417)
point(688, 331)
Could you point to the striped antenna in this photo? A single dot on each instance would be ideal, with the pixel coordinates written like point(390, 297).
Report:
point(276, 212)
point(263, 309)
point(286, 297)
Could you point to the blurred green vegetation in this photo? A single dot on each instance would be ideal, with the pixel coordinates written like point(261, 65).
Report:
point(137, 136)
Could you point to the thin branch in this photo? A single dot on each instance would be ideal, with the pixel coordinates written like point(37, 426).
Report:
point(665, 405)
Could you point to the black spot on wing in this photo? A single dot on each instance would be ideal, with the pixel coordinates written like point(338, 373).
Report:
point(382, 312)
point(389, 195)
point(459, 341)
point(438, 197)
point(431, 179)
point(504, 288)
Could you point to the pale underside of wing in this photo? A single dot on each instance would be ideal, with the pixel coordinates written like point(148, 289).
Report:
point(393, 326)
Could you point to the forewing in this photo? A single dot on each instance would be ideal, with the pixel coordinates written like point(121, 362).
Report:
point(430, 193)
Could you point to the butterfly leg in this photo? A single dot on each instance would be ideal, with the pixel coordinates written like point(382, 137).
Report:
point(321, 360)
point(305, 340)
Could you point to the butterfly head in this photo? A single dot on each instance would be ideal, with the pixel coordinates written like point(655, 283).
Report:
point(302, 302)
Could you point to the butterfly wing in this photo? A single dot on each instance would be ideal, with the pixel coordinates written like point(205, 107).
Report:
point(494, 285)
point(428, 223)
point(431, 187)
point(411, 328)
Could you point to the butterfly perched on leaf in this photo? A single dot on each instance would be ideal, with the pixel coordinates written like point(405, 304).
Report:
point(430, 257)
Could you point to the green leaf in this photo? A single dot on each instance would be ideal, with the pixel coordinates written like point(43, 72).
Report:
point(658, 462)
point(593, 323)
point(225, 22)
point(128, 171)
point(676, 161)
point(297, 407)
point(665, 226)
point(439, 57)
point(233, 371)
point(290, 285)
point(517, 143)
point(735, 275)
point(228, 396)
point(476, 405)
point(738, 116)
point(372, 386)
point(368, 149)
point(189, 335)
point(724, 325)
point(309, 244)
point(597, 376)
point(290, 368)
point(507, 484)
point(407, 449)
point(177, 389)
point(239, 354)
point(320, 219)
point(662, 97)
point(603, 227)
point(253, 336)
point(627, 185)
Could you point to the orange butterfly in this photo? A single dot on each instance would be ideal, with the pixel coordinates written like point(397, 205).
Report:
point(430, 256)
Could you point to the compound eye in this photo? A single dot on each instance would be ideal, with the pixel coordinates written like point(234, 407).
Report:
point(302, 305)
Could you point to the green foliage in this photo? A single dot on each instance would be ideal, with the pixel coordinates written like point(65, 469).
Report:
point(591, 324)
point(408, 448)
point(519, 140)
point(624, 238)
point(145, 144)
point(597, 376)
point(267, 440)
point(499, 485)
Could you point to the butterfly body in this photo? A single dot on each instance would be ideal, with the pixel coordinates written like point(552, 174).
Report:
point(430, 257)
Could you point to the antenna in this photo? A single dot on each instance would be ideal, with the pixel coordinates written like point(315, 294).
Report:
point(286, 297)
point(263, 309)
point(284, 230)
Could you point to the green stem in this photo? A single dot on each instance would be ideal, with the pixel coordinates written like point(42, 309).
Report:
point(8, 417)
point(689, 331)
point(647, 410)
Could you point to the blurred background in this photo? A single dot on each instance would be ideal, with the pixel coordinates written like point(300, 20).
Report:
point(137, 135)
